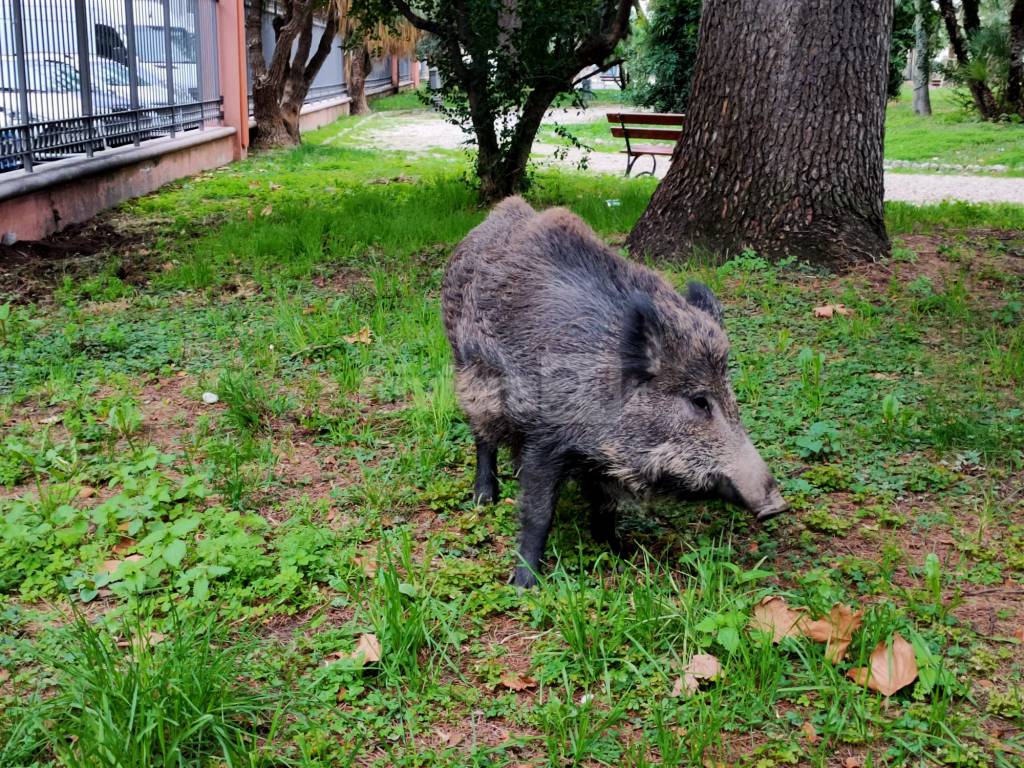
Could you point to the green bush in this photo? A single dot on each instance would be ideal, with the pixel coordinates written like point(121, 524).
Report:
point(662, 55)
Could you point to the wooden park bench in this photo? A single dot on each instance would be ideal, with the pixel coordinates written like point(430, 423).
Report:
point(635, 125)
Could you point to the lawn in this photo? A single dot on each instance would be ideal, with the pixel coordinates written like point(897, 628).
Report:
point(235, 518)
point(949, 138)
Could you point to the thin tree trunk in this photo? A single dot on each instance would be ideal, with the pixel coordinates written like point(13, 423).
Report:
point(782, 148)
point(922, 67)
point(358, 69)
point(984, 100)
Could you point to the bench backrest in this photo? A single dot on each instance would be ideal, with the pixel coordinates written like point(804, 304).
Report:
point(629, 125)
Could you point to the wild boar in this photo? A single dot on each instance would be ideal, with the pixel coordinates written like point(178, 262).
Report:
point(594, 368)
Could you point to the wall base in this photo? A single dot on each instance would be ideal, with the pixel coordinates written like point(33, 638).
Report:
point(34, 205)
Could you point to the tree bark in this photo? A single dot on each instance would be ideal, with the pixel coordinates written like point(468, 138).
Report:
point(922, 67)
point(358, 68)
point(782, 148)
point(1015, 76)
point(984, 99)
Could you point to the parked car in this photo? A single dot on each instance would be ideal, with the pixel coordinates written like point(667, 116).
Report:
point(55, 110)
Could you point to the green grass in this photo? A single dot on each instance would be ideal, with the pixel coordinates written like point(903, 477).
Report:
point(950, 136)
point(326, 497)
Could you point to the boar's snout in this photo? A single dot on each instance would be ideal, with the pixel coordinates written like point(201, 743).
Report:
point(749, 483)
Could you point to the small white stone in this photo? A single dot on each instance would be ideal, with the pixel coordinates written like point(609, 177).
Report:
point(586, 698)
point(210, 398)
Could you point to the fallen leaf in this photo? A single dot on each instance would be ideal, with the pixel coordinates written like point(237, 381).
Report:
point(773, 615)
point(809, 733)
point(368, 648)
point(268, 210)
point(86, 492)
point(891, 668)
point(126, 544)
point(704, 666)
point(1019, 635)
point(686, 685)
point(249, 214)
point(361, 337)
point(836, 630)
point(450, 739)
point(516, 682)
point(52, 419)
point(828, 310)
point(4, 675)
point(274, 187)
point(852, 762)
point(254, 185)
point(110, 566)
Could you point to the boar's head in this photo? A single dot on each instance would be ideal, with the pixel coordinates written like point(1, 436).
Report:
point(679, 429)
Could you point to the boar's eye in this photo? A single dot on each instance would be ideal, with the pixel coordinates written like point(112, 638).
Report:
point(702, 404)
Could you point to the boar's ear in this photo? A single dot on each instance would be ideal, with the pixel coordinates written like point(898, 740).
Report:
point(642, 335)
point(702, 297)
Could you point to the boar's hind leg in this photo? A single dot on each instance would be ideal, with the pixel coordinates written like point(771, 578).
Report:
point(604, 509)
point(485, 490)
point(540, 478)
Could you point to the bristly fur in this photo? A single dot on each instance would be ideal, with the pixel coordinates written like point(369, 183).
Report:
point(595, 366)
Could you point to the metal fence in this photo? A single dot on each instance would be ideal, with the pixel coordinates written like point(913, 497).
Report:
point(80, 76)
point(380, 75)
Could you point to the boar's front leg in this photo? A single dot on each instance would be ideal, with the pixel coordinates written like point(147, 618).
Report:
point(540, 477)
point(485, 489)
point(604, 510)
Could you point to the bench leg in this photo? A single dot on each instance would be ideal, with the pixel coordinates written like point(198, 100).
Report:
point(630, 162)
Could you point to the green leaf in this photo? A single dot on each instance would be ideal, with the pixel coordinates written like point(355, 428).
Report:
point(201, 588)
point(709, 623)
point(729, 639)
point(175, 553)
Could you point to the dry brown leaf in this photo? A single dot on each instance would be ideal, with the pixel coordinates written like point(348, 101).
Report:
point(852, 762)
point(809, 733)
point(110, 566)
point(704, 666)
point(86, 492)
point(254, 185)
point(4, 676)
point(249, 215)
point(774, 616)
point(274, 187)
point(516, 682)
point(836, 630)
point(269, 209)
point(361, 337)
point(1019, 635)
point(892, 668)
point(368, 648)
point(686, 685)
point(450, 739)
point(126, 544)
point(828, 310)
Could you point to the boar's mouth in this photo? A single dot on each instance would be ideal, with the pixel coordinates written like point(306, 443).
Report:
point(765, 508)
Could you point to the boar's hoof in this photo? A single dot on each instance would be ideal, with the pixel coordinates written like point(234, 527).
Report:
point(523, 578)
point(485, 495)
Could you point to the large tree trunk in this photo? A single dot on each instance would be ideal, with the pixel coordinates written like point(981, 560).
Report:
point(358, 68)
point(782, 148)
point(922, 67)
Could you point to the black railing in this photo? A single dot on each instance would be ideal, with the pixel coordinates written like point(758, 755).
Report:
point(81, 76)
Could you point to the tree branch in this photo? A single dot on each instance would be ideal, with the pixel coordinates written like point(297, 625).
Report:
point(323, 48)
point(416, 20)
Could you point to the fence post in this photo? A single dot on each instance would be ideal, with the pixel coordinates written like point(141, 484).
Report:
point(394, 72)
point(84, 71)
point(169, 60)
point(22, 74)
point(133, 65)
point(232, 67)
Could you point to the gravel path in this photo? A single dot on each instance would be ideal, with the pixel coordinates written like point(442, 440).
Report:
point(424, 131)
